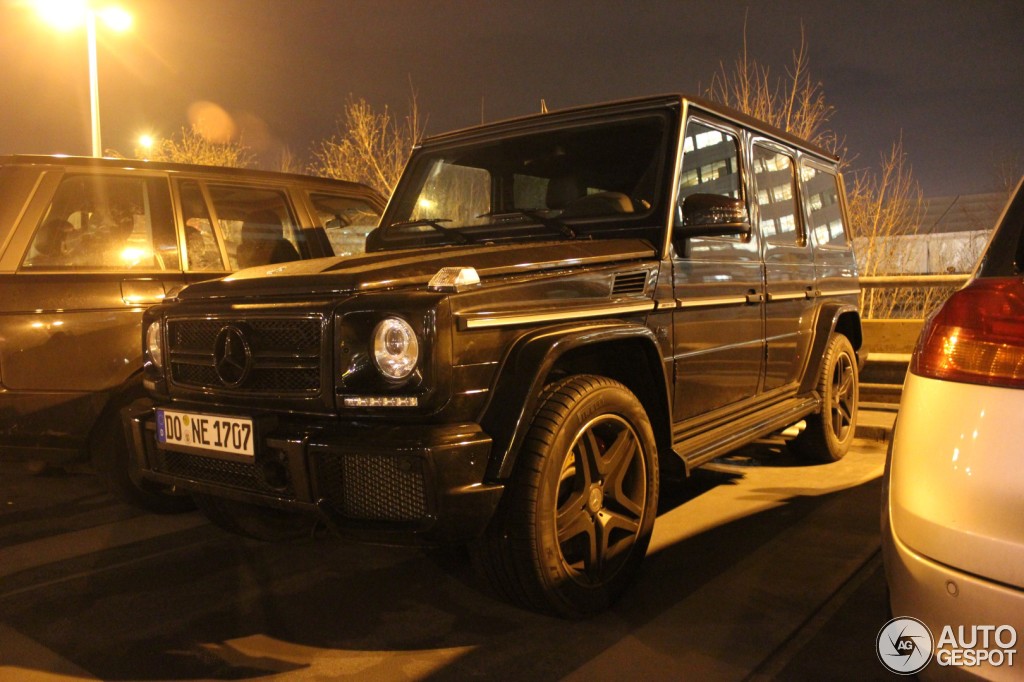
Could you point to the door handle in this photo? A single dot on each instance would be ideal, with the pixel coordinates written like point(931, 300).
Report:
point(754, 296)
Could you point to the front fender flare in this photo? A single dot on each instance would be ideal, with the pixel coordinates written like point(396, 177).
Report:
point(523, 372)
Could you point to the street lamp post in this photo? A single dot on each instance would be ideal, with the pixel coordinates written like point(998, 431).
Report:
point(65, 14)
point(94, 82)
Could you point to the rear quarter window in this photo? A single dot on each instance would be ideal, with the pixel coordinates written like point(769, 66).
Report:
point(823, 207)
point(1004, 255)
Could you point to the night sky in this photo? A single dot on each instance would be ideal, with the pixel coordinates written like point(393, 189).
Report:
point(946, 75)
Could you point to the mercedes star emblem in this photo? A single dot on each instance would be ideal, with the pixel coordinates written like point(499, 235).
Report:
point(232, 356)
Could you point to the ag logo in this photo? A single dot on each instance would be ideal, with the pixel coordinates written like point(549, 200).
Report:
point(904, 645)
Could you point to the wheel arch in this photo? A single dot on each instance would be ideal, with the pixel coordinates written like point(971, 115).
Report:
point(627, 353)
point(843, 318)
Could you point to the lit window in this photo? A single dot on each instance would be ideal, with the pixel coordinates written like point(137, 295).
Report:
point(709, 138)
point(782, 192)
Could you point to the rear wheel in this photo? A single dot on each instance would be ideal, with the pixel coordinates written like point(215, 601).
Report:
point(252, 521)
point(578, 515)
point(828, 434)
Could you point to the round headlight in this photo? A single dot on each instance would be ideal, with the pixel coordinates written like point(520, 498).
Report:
point(155, 344)
point(396, 350)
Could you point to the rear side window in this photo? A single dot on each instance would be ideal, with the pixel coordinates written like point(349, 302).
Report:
point(256, 225)
point(347, 220)
point(97, 222)
point(821, 203)
point(202, 249)
point(776, 197)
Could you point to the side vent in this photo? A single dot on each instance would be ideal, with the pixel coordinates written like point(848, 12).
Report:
point(629, 283)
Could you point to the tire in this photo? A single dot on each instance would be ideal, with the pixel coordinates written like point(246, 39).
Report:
point(829, 433)
point(259, 523)
point(112, 459)
point(576, 520)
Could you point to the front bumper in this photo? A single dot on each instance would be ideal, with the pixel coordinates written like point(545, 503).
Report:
point(377, 483)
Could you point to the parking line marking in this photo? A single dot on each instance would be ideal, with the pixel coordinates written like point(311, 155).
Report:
point(79, 543)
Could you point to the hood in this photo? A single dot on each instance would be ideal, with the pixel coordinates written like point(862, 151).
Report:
point(414, 267)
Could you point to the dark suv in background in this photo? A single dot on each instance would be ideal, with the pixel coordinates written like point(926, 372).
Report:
point(87, 244)
point(553, 311)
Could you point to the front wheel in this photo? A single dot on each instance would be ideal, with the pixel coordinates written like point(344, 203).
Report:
point(578, 515)
point(829, 433)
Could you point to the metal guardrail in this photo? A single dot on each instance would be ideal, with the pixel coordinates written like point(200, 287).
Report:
point(890, 340)
point(900, 281)
point(903, 297)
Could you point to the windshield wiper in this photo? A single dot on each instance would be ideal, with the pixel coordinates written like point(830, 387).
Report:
point(552, 224)
point(435, 223)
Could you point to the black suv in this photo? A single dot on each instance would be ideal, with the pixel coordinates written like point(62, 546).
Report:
point(87, 244)
point(554, 311)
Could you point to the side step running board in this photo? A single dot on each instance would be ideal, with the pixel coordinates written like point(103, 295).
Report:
point(716, 442)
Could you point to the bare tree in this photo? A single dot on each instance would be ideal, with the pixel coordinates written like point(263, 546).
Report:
point(190, 146)
point(286, 162)
point(885, 207)
point(369, 146)
point(795, 103)
point(1009, 168)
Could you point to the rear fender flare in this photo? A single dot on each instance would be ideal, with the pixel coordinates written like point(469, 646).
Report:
point(843, 318)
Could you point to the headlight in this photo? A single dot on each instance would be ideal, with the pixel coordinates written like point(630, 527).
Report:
point(155, 344)
point(396, 350)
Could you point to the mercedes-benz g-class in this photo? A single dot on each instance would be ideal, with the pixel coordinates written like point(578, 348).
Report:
point(553, 311)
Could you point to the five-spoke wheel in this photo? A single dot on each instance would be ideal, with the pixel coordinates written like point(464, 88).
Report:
point(828, 434)
point(602, 493)
point(577, 518)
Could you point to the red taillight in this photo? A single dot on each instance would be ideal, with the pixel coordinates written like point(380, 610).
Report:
point(977, 337)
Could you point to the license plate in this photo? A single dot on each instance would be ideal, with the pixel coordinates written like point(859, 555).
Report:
point(233, 435)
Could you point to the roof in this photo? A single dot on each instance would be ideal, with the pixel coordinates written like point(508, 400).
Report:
point(624, 106)
point(961, 213)
point(222, 171)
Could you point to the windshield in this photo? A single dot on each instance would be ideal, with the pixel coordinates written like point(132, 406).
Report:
point(580, 180)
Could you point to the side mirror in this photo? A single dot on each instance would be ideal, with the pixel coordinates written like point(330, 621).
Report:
point(712, 215)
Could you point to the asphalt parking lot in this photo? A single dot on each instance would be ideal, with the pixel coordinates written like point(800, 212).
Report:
point(760, 568)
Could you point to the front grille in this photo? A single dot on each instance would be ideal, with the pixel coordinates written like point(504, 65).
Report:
point(285, 354)
point(218, 471)
point(384, 488)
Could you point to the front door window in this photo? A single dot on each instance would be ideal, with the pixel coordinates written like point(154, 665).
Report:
point(105, 223)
